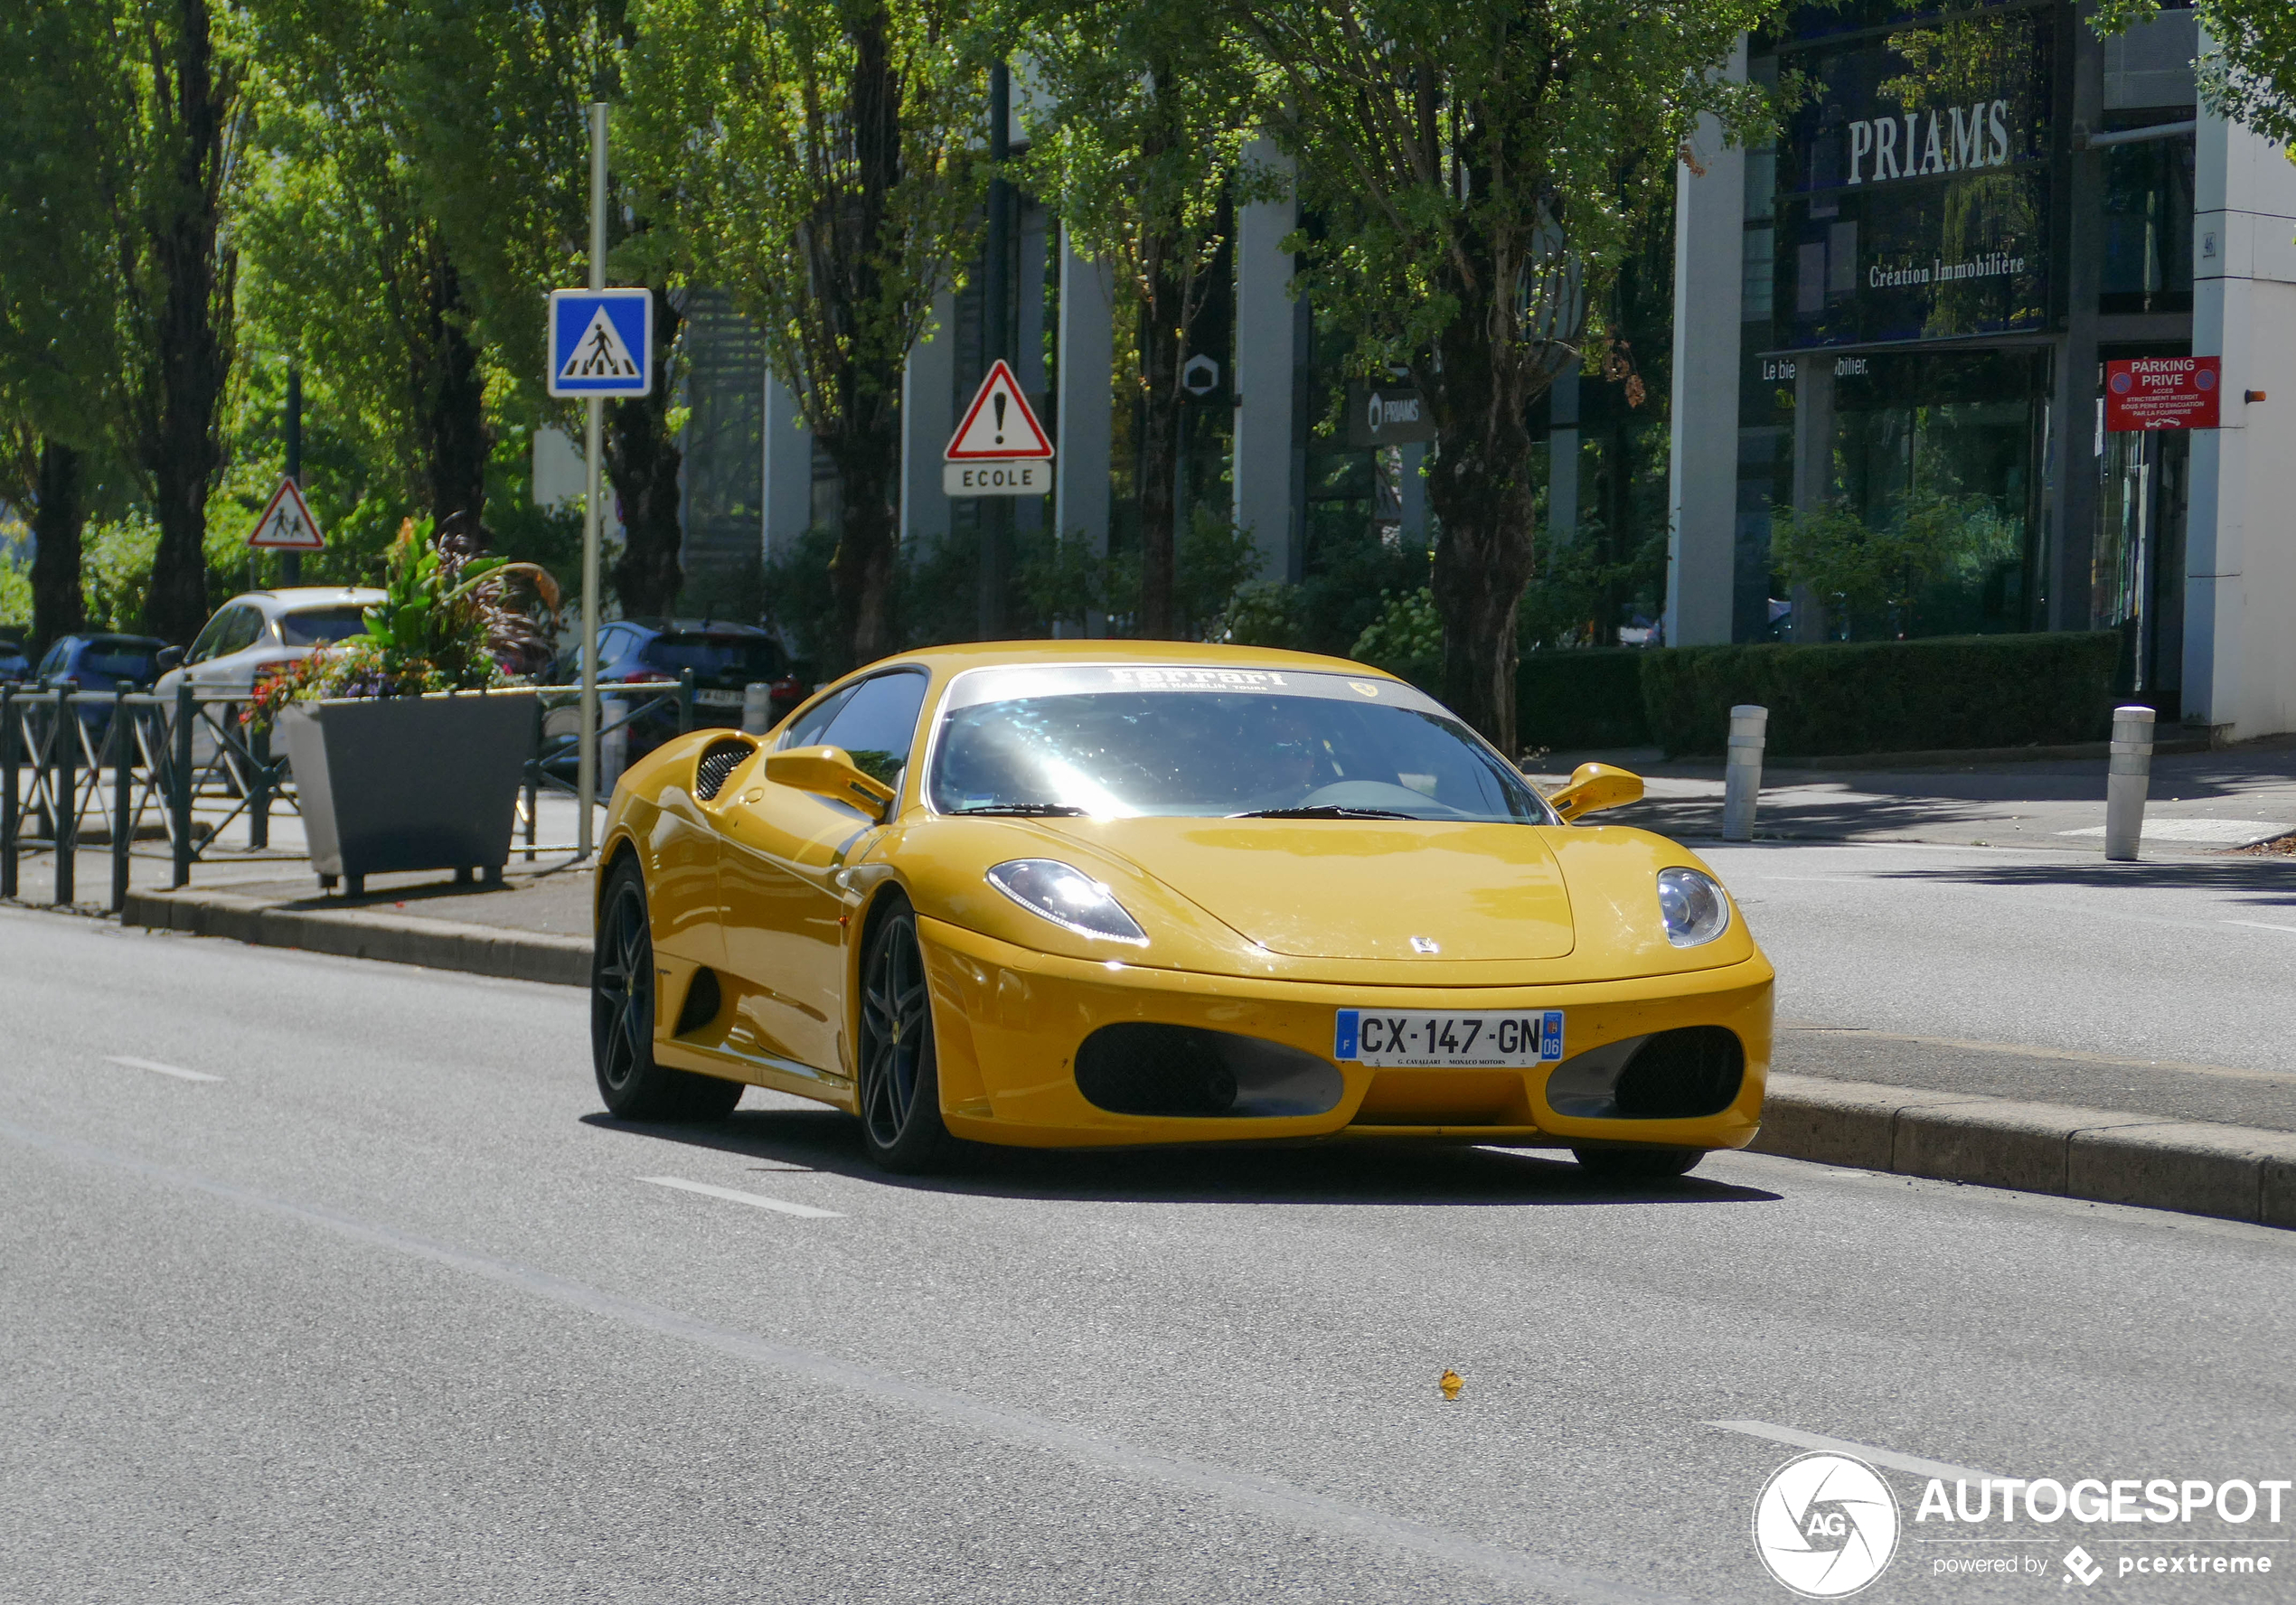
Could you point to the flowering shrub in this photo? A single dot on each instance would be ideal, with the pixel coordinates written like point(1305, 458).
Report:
point(447, 622)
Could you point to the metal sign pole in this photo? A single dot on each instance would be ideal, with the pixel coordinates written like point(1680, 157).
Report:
point(593, 450)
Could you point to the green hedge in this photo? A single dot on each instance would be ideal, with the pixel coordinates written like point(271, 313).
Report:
point(1886, 696)
point(1570, 699)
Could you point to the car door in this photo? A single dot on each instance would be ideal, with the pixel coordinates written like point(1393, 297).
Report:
point(779, 850)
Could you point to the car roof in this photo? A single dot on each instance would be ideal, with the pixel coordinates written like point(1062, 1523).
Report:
point(978, 655)
point(296, 598)
point(113, 638)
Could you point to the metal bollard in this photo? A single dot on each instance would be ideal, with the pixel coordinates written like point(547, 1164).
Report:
point(686, 701)
point(2128, 775)
point(757, 707)
point(1741, 773)
point(123, 779)
point(64, 746)
point(179, 784)
point(10, 819)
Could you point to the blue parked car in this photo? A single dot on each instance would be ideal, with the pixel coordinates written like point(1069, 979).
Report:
point(95, 666)
point(15, 667)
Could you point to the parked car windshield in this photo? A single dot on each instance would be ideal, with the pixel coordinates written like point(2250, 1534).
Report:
point(739, 657)
point(321, 626)
point(1134, 739)
point(121, 660)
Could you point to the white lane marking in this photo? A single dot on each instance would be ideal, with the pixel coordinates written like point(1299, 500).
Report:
point(1250, 1490)
point(1879, 1457)
point(755, 1200)
point(157, 1068)
point(2261, 925)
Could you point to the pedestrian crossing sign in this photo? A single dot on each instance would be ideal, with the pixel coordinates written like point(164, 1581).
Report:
point(601, 342)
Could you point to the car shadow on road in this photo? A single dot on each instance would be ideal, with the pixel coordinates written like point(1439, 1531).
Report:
point(1350, 1173)
point(2267, 883)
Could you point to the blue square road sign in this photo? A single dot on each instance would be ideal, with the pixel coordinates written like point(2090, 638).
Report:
point(601, 342)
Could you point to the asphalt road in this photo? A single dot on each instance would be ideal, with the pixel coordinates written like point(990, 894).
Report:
point(386, 1311)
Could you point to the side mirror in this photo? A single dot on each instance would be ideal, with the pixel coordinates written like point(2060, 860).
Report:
point(1593, 787)
point(170, 657)
point(830, 771)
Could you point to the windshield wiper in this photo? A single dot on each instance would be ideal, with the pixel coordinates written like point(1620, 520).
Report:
point(1024, 810)
point(1324, 810)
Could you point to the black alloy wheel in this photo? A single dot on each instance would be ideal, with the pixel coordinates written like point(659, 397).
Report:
point(1637, 1164)
point(621, 996)
point(900, 1089)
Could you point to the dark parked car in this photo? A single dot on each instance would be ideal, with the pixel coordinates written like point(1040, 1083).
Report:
point(725, 660)
point(95, 666)
point(15, 667)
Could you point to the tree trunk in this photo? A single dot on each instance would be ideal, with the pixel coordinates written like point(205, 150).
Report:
point(189, 359)
point(1162, 350)
point(455, 439)
point(58, 514)
point(1480, 487)
point(866, 569)
point(642, 458)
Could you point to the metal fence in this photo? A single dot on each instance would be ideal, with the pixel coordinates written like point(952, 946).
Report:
point(77, 768)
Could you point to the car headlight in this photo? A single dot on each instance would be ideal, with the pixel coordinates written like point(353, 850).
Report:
point(1693, 906)
point(1068, 897)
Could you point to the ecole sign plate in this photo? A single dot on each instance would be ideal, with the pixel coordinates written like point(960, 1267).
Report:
point(2163, 393)
point(1000, 449)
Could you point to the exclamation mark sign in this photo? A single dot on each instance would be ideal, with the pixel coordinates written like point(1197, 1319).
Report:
point(999, 400)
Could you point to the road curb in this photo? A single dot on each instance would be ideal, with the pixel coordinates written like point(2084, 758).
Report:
point(2107, 1156)
point(360, 934)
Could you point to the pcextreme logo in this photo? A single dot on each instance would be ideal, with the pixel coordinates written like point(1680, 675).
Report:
point(1825, 1526)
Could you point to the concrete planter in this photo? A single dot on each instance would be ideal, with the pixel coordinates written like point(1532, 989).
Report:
point(409, 782)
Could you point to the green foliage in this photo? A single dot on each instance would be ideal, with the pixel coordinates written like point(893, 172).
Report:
point(2249, 73)
point(1406, 638)
point(1952, 692)
point(1574, 698)
point(1262, 613)
point(16, 591)
point(1927, 538)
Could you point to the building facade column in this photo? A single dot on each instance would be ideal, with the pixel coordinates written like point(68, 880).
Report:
point(928, 418)
point(788, 502)
point(1085, 410)
point(1562, 458)
point(2239, 655)
point(1710, 265)
point(1268, 355)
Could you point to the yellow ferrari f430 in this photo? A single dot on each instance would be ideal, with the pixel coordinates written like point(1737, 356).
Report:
point(1076, 892)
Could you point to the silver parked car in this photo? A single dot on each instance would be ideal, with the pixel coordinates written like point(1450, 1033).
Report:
point(258, 635)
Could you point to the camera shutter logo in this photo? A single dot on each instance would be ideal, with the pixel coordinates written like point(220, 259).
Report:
point(1825, 1526)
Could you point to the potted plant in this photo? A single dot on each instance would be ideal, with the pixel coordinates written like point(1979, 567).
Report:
point(408, 742)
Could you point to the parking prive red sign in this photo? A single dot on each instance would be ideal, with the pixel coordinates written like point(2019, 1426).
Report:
point(2161, 393)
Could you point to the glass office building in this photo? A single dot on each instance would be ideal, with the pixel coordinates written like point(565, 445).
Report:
point(1966, 214)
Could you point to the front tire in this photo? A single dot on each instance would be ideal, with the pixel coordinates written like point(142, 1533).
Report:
point(1637, 1164)
point(622, 994)
point(901, 1084)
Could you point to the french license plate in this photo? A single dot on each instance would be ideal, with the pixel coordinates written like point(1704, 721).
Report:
point(1483, 1039)
point(718, 699)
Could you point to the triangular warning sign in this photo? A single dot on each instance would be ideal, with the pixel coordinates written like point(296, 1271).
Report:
point(286, 524)
point(1000, 426)
point(600, 353)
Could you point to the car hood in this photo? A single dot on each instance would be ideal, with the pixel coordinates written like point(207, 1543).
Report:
point(1365, 889)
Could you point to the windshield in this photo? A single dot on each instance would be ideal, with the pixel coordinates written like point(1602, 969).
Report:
point(742, 657)
point(1127, 740)
point(321, 626)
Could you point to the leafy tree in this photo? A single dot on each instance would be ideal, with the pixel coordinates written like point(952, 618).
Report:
point(1479, 168)
point(119, 123)
point(1883, 567)
point(496, 96)
point(2250, 74)
point(818, 159)
point(1149, 104)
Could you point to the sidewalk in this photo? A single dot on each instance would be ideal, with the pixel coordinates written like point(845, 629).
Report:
point(2200, 803)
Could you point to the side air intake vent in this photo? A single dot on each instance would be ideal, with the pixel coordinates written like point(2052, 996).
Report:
point(1151, 1069)
point(1679, 1075)
point(718, 759)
